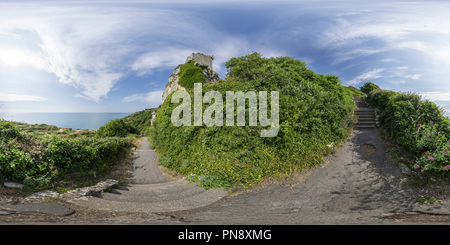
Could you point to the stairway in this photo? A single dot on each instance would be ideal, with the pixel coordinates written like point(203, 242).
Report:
point(150, 192)
point(153, 198)
point(366, 116)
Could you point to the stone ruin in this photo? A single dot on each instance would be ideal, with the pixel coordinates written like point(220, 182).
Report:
point(202, 60)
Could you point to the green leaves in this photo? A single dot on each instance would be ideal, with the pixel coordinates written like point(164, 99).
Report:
point(419, 125)
point(190, 74)
point(56, 155)
point(115, 128)
point(315, 110)
point(368, 87)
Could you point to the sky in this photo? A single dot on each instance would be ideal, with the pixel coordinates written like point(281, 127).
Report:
point(117, 56)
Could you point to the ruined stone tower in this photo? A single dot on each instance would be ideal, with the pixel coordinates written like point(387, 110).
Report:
point(204, 61)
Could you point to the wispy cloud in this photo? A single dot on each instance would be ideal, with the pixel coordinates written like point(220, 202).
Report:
point(20, 97)
point(436, 96)
point(153, 98)
point(368, 75)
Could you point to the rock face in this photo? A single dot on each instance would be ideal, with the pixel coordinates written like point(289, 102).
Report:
point(204, 61)
point(172, 85)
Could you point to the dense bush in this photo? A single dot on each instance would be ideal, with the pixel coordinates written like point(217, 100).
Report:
point(314, 111)
point(115, 128)
point(140, 120)
point(39, 161)
point(190, 73)
point(84, 154)
point(368, 87)
point(419, 126)
point(355, 92)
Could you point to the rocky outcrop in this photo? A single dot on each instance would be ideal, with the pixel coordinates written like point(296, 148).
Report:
point(86, 191)
point(172, 85)
point(204, 61)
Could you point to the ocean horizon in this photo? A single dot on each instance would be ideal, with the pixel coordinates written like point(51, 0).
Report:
point(73, 120)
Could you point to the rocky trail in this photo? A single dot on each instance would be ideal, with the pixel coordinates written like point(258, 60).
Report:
point(358, 184)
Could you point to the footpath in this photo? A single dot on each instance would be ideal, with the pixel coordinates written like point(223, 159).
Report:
point(359, 184)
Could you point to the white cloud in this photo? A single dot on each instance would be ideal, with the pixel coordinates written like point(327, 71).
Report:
point(420, 27)
point(92, 47)
point(368, 75)
point(153, 98)
point(436, 96)
point(20, 97)
point(157, 59)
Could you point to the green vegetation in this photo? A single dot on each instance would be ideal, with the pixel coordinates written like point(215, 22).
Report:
point(116, 128)
point(190, 74)
point(418, 125)
point(43, 159)
point(315, 110)
point(427, 200)
point(140, 120)
point(355, 92)
point(368, 87)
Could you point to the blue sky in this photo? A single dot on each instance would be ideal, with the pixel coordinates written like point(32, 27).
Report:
point(116, 56)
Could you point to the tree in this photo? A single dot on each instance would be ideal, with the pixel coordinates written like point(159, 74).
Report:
point(368, 87)
point(116, 127)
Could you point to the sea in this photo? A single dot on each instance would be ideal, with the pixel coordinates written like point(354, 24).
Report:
point(77, 120)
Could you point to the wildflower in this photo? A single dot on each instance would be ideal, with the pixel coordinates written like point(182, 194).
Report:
point(7, 152)
point(432, 122)
point(430, 158)
point(415, 167)
point(419, 125)
point(427, 152)
point(446, 167)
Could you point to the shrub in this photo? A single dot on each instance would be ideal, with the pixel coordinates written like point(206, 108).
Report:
point(355, 92)
point(190, 73)
point(115, 128)
point(418, 125)
point(379, 98)
point(22, 160)
point(314, 110)
point(84, 154)
point(368, 87)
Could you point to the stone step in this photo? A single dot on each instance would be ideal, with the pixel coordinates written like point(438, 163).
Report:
point(366, 115)
point(150, 195)
point(367, 118)
point(162, 187)
point(364, 112)
point(178, 203)
point(365, 126)
point(367, 123)
point(361, 104)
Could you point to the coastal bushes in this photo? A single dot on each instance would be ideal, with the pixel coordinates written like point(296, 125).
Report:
point(315, 110)
point(419, 126)
point(42, 160)
point(115, 128)
point(190, 74)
